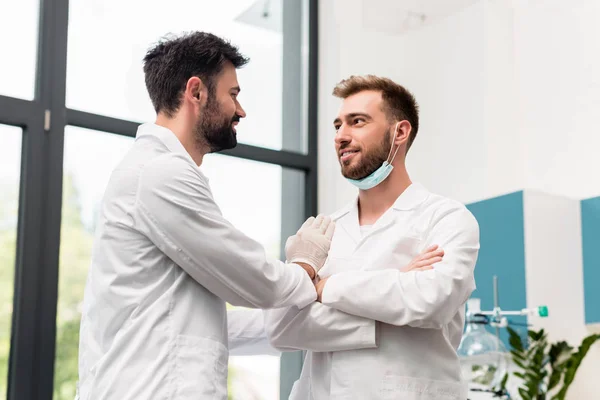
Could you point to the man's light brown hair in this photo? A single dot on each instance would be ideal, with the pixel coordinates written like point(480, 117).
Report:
point(398, 103)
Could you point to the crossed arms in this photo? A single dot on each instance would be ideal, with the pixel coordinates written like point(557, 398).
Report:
point(352, 301)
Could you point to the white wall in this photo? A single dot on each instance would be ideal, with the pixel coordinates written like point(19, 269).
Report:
point(554, 260)
point(509, 95)
point(554, 275)
point(462, 72)
point(557, 57)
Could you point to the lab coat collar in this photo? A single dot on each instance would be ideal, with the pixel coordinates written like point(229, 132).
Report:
point(347, 217)
point(164, 135)
point(412, 196)
point(168, 138)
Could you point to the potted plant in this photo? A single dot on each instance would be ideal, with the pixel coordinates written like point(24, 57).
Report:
point(543, 367)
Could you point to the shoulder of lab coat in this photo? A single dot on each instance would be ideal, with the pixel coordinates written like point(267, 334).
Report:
point(426, 299)
point(176, 211)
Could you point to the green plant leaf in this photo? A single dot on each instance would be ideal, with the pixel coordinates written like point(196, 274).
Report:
point(533, 335)
point(532, 375)
point(520, 364)
point(519, 375)
point(558, 351)
point(524, 394)
point(503, 382)
point(518, 355)
point(514, 339)
point(554, 378)
point(573, 363)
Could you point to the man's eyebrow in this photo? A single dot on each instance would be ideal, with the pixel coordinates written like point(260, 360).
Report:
point(338, 120)
point(358, 114)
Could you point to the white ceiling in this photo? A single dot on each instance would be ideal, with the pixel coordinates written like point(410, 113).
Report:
point(391, 16)
point(266, 14)
point(398, 16)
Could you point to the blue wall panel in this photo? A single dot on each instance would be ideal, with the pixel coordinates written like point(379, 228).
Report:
point(502, 253)
point(590, 227)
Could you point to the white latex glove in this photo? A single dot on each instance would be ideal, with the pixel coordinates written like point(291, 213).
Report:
point(310, 245)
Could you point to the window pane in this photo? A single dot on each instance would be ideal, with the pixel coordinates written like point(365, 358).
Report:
point(250, 196)
point(10, 171)
point(273, 84)
point(18, 44)
point(89, 159)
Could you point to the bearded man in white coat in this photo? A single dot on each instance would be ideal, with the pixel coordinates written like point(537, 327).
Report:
point(165, 260)
point(391, 304)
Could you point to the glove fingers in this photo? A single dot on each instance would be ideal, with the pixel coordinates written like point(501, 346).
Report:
point(330, 230)
point(325, 224)
point(318, 221)
point(309, 222)
point(288, 246)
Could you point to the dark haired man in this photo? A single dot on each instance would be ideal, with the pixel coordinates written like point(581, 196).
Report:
point(165, 261)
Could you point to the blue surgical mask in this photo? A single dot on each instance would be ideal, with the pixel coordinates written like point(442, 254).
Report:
point(381, 173)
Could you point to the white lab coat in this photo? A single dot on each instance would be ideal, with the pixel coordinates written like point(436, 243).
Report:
point(247, 334)
point(410, 352)
point(165, 261)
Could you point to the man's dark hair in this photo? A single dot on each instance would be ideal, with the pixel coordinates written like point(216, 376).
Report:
point(173, 61)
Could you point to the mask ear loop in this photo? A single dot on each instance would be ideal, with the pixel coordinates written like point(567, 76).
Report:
point(389, 161)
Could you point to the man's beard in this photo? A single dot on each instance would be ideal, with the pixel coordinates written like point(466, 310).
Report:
point(370, 161)
point(214, 129)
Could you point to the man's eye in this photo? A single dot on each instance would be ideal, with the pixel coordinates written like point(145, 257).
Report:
point(359, 121)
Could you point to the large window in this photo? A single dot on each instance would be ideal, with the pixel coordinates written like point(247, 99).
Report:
point(10, 171)
point(249, 194)
point(114, 58)
point(18, 41)
point(89, 158)
point(71, 98)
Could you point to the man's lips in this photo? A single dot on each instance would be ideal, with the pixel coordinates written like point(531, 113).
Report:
point(346, 154)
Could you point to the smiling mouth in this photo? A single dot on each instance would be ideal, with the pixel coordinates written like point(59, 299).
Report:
point(347, 155)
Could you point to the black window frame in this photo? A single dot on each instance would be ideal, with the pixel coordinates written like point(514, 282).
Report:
point(43, 120)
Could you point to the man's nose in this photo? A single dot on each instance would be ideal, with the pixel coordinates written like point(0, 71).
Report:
point(342, 135)
point(240, 112)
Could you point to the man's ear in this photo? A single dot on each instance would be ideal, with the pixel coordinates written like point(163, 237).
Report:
point(196, 91)
point(402, 132)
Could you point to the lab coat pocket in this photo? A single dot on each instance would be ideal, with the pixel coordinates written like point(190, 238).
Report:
point(200, 368)
point(409, 388)
point(404, 250)
point(408, 245)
